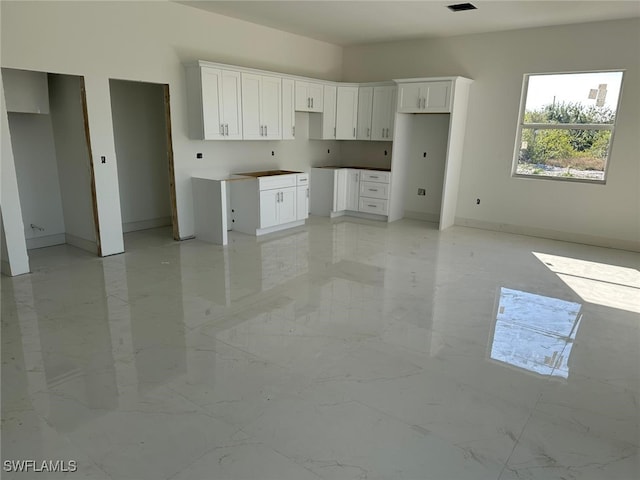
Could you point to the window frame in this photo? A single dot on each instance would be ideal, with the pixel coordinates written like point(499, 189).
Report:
point(563, 126)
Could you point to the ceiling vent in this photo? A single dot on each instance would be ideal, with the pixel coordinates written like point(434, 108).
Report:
point(461, 7)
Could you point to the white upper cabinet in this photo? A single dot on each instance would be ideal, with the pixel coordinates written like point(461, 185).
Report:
point(346, 112)
point(365, 105)
point(425, 97)
point(323, 126)
point(309, 96)
point(261, 107)
point(383, 113)
point(214, 103)
point(288, 109)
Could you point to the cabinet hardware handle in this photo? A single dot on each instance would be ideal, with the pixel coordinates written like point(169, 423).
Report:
point(354, 132)
point(311, 102)
point(383, 133)
point(373, 176)
point(424, 103)
point(293, 131)
point(372, 206)
point(368, 129)
point(222, 129)
point(307, 193)
point(308, 102)
point(373, 189)
point(334, 131)
point(226, 129)
point(261, 129)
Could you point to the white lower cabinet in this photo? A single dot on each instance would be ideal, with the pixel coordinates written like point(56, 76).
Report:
point(268, 203)
point(349, 191)
point(277, 207)
point(302, 197)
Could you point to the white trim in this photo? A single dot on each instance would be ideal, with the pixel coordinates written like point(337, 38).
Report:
point(46, 241)
point(630, 245)
point(82, 243)
point(277, 228)
point(146, 224)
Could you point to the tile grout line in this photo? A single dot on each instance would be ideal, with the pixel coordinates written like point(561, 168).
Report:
point(519, 436)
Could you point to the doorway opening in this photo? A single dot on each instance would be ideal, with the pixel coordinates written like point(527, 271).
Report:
point(51, 144)
point(144, 152)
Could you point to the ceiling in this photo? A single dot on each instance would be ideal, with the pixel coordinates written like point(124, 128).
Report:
point(357, 22)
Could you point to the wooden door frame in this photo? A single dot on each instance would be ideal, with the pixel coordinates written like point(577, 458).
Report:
point(170, 161)
point(94, 197)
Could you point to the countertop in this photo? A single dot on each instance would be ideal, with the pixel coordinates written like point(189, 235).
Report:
point(267, 173)
point(378, 169)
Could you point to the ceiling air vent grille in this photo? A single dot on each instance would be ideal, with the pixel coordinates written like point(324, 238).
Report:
point(461, 7)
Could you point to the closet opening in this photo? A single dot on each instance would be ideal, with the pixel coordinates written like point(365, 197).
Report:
point(144, 152)
point(51, 144)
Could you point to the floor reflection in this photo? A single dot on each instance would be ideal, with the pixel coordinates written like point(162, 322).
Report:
point(535, 332)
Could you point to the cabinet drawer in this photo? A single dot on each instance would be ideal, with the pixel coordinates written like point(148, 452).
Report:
point(373, 205)
point(375, 190)
point(302, 179)
point(277, 181)
point(375, 176)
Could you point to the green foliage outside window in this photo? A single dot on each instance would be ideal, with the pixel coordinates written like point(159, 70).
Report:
point(581, 149)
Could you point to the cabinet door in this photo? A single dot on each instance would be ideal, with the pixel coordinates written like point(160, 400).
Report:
point(383, 106)
point(287, 205)
point(346, 113)
point(211, 93)
point(231, 112)
point(409, 98)
point(353, 189)
point(271, 107)
point(437, 96)
point(269, 203)
point(315, 91)
point(288, 109)
point(302, 202)
point(303, 101)
point(329, 113)
point(365, 105)
point(340, 190)
point(251, 99)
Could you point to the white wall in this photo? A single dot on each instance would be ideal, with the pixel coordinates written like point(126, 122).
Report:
point(139, 129)
point(15, 260)
point(429, 135)
point(149, 41)
point(25, 91)
point(37, 173)
point(72, 155)
point(602, 214)
point(365, 153)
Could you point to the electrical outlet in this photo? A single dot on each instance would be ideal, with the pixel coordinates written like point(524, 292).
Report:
point(422, 191)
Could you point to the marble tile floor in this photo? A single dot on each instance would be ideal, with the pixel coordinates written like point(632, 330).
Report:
point(345, 349)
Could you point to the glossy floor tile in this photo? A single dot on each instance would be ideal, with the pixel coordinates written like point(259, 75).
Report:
point(345, 349)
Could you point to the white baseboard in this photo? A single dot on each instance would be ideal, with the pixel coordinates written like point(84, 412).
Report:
point(82, 243)
point(46, 241)
point(146, 224)
point(352, 213)
point(551, 234)
point(277, 228)
point(425, 217)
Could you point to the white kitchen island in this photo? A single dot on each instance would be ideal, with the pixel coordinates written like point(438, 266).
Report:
point(255, 203)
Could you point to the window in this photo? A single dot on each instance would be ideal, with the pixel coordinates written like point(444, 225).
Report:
point(566, 125)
